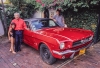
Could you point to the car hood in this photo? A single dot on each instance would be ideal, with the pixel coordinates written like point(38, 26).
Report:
point(66, 34)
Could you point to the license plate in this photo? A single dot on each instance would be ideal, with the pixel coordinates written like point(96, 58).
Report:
point(82, 51)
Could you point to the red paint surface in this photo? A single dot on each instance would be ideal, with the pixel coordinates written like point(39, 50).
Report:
point(52, 36)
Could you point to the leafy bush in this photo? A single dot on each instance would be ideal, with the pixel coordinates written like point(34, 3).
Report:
point(74, 17)
point(10, 13)
point(26, 10)
point(66, 4)
point(85, 20)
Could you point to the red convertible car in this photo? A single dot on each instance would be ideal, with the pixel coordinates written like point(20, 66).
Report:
point(55, 42)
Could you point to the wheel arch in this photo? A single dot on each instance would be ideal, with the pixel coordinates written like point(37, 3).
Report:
point(46, 45)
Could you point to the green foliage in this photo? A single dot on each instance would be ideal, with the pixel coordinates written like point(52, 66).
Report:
point(24, 8)
point(10, 13)
point(17, 3)
point(85, 20)
point(37, 6)
point(72, 4)
point(94, 2)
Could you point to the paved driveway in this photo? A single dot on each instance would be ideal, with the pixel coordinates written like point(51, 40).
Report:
point(30, 58)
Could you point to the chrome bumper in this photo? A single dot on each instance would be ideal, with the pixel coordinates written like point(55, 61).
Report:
point(71, 51)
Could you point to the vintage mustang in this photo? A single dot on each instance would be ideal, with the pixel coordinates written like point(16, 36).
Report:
point(55, 42)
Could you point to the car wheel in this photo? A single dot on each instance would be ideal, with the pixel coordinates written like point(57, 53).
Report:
point(46, 55)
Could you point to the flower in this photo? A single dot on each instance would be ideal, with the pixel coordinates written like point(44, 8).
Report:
point(43, 5)
point(39, 1)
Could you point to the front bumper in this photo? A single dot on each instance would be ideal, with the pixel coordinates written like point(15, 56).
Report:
point(70, 51)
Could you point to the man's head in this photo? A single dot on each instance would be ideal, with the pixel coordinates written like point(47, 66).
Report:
point(16, 15)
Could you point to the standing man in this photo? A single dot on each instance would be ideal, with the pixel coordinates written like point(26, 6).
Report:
point(20, 26)
point(59, 19)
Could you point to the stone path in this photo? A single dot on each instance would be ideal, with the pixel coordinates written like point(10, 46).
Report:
point(30, 58)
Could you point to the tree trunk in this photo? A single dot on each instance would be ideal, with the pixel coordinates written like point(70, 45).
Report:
point(4, 20)
point(2, 23)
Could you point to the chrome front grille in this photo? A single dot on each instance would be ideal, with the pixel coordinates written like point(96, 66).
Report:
point(83, 41)
point(77, 43)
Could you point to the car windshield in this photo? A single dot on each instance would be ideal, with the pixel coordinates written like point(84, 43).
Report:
point(43, 24)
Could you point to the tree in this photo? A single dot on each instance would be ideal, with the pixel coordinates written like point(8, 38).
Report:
point(25, 8)
point(66, 4)
point(18, 3)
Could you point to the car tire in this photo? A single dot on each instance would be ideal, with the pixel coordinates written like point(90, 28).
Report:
point(46, 55)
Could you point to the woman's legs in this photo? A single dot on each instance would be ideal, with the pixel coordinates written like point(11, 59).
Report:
point(12, 45)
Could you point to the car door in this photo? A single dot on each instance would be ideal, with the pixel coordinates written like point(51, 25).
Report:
point(28, 35)
point(34, 27)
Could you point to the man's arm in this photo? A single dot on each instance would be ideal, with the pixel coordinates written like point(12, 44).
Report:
point(24, 25)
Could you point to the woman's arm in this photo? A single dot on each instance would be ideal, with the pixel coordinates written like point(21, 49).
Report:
point(9, 33)
point(64, 22)
point(53, 18)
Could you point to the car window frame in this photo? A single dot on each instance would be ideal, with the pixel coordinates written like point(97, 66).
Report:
point(52, 20)
point(29, 26)
point(39, 22)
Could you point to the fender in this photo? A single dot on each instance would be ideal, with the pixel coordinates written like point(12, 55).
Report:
point(46, 45)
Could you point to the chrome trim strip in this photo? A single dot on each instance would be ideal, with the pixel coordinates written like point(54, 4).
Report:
point(64, 52)
point(70, 51)
point(84, 42)
point(79, 44)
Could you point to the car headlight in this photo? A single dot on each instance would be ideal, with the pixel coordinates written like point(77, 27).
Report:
point(62, 45)
point(91, 38)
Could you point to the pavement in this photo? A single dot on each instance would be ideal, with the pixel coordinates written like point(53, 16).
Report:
point(30, 58)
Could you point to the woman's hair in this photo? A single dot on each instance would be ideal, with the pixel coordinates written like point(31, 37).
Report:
point(58, 11)
point(13, 24)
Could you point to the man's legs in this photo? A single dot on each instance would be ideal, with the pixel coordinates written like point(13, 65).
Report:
point(20, 40)
point(16, 43)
